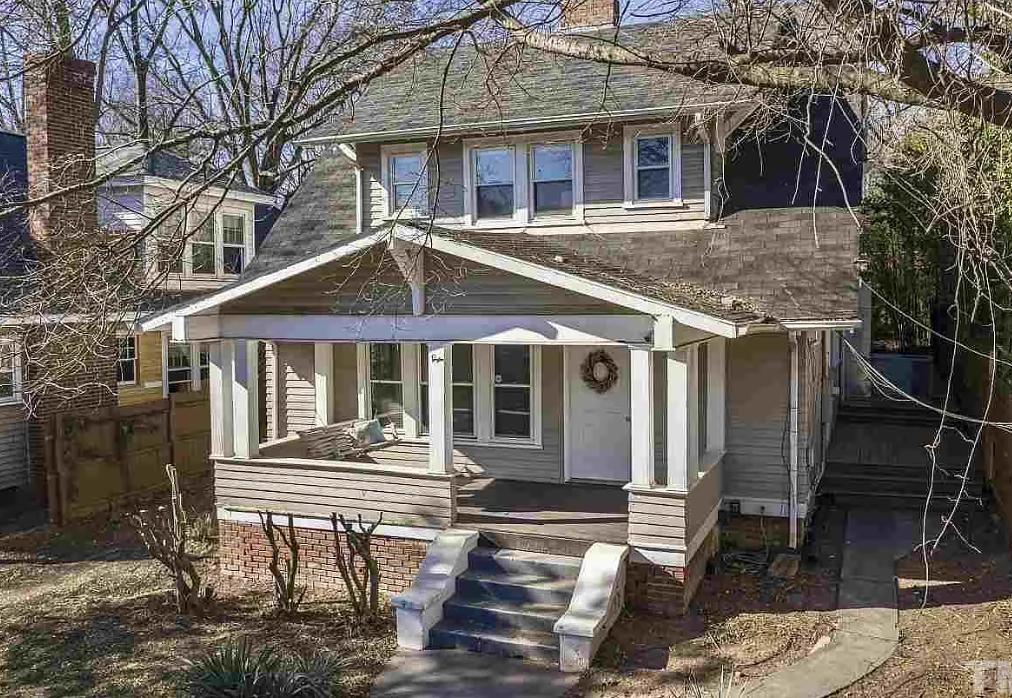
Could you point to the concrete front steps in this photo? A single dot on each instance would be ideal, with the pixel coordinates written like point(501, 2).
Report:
point(507, 603)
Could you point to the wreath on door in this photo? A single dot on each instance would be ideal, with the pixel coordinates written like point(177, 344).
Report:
point(599, 371)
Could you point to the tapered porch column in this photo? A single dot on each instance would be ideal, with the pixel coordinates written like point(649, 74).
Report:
point(641, 415)
point(440, 408)
point(245, 419)
point(323, 383)
point(220, 377)
point(678, 427)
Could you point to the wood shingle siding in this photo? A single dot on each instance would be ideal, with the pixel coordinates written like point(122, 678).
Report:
point(402, 496)
point(13, 456)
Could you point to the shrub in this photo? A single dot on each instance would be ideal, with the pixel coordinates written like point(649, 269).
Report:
point(238, 670)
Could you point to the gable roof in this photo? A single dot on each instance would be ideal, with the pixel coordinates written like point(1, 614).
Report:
point(163, 164)
point(489, 88)
point(787, 265)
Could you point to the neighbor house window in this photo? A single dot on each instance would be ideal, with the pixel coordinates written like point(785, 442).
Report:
point(9, 378)
point(511, 378)
point(702, 396)
point(233, 247)
point(407, 184)
point(180, 378)
point(493, 182)
point(552, 179)
point(652, 166)
point(126, 362)
point(462, 367)
point(386, 391)
point(171, 234)
point(202, 245)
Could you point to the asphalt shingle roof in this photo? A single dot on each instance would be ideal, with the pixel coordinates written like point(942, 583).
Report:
point(160, 163)
point(487, 89)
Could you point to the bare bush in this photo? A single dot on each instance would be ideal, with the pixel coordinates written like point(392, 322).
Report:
point(361, 579)
point(287, 593)
point(165, 532)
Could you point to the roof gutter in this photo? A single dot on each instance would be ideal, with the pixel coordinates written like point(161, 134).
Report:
point(518, 124)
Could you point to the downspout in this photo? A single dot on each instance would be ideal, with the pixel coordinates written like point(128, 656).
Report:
point(793, 417)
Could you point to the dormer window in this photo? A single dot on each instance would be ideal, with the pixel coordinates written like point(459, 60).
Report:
point(406, 181)
point(494, 191)
point(552, 179)
point(652, 166)
point(233, 230)
point(202, 245)
point(219, 244)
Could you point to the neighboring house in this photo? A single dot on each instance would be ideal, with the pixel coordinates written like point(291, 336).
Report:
point(548, 293)
point(213, 248)
point(205, 245)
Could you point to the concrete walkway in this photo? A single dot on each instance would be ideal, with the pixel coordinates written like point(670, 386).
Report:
point(868, 633)
point(460, 674)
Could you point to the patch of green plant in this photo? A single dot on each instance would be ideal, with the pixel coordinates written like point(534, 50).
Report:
point(237, 669)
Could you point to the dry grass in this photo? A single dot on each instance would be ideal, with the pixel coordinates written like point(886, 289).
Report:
point(84, 612)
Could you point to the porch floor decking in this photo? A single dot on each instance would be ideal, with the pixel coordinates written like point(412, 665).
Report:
point(580, 512)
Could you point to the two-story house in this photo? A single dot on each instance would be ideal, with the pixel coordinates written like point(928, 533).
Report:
point(203, 246)
point(593, 325)
point(207, 245)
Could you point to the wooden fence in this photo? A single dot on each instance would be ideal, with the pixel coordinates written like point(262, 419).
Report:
point(98, 460)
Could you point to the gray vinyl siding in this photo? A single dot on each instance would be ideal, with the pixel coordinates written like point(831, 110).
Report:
point(345, 381)
point(461, 287)
point(13, 456)
point(603, 184)
point(757, 439)
point(270, 390)
point(297, 403)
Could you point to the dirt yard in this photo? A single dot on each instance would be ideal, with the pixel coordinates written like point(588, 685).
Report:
point(85, 612)
point(742, 621)
point(967, 617)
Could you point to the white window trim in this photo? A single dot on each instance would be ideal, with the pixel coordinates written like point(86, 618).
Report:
point(388, 151)
point(481, 355)
point(15, 397)
point(196, 215)
point(191, 353)
point(420, 356)
point(630, 135)
point(523, 191)
point(136, 360)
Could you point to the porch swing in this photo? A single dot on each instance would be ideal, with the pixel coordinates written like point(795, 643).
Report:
point(351, 438)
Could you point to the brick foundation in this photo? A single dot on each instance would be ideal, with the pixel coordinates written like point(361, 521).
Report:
point(244, 554)
point(669, 590)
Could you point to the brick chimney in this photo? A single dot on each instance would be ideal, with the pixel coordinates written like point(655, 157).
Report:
point(589, 14)
point(60, 108)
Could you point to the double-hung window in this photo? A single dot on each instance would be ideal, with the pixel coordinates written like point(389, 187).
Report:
point(552, 179)
point(462, 368)
point(233, 243)
point(204, 362)
point(386, 389)
point(202, 245)
point(126, 360)
point(407, 184)
point(171, 234)
point(180, 378)
point(9, 378)
point(511, 388)
point(652, 166)
point(493, 182)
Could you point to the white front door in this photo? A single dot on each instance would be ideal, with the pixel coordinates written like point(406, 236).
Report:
point(598, 446)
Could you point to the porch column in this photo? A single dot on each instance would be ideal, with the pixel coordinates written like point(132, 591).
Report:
point(323, 383)
point(245, 415)
point(716, 409)
point(641, 415)
point(220, 377)
point(677, 427)
point(440, 409)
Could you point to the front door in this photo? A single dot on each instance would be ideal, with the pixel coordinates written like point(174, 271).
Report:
point(598, 437)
